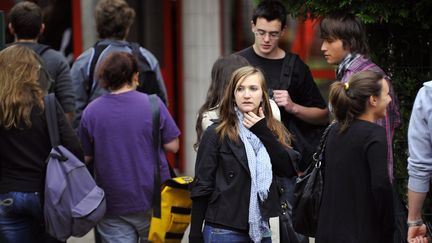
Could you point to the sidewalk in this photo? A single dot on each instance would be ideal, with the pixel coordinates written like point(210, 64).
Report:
point(89, 238)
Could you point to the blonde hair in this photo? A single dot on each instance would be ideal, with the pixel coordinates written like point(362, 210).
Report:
point(20, 90)
point(228, 126)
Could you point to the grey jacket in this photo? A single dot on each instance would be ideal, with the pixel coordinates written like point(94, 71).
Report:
point(420, 141)
point(59, 71)
point(81, 69)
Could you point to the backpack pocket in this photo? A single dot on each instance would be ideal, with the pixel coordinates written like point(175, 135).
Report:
point(88, 212)
point(180, 219)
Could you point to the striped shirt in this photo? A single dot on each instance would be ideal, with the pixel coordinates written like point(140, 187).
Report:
point(392, 119)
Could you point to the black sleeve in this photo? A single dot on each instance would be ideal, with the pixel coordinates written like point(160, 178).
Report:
point(68, 137)
point(279, 155)
point(304, 90)
point(204, 181)
point(376, 151)
point(199, 207)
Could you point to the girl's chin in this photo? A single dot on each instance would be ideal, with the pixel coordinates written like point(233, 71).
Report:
point(249, 110)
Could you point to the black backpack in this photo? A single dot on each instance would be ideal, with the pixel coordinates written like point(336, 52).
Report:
point(148, 82)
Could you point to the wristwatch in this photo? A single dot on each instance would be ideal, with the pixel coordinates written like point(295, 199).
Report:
point(415, 223)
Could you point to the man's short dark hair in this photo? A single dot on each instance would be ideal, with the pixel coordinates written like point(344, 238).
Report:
point(26, 20)
point(113, 18)
point(270, 10)
point(348, 28)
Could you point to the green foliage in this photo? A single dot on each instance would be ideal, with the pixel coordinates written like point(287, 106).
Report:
point(400, 38)
point(371, 11)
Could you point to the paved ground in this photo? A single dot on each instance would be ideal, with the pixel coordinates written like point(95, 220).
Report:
point(89, 238)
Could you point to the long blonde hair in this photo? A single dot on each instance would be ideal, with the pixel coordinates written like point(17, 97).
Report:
point(20, 90)
point(227, 115)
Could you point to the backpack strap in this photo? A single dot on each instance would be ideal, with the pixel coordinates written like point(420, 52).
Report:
point(53, 129)
point(287, 70)
point(135, 47)
point(51, 117)
point(156, 201)
point(40, 49)
point(98, 49)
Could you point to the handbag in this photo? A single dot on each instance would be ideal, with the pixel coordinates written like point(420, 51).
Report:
point(308, 191)
point(172, 204)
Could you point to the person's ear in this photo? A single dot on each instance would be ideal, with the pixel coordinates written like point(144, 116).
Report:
point(284, 30)
point(373, 100)
point(11, 29)
point(252, 26)
point(135, 78)
point(42, 29)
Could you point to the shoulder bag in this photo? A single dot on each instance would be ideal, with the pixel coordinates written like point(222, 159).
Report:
point(308, 191)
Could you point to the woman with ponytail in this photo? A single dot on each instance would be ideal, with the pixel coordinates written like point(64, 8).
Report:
point(357, 201)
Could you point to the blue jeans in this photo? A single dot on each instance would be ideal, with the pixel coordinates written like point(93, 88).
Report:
point(21, 218)
point(130, 228)
point(217, 235)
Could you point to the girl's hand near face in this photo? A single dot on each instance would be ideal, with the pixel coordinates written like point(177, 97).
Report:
point(251, 118)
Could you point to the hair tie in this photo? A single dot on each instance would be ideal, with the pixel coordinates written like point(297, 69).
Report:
point(346, 85)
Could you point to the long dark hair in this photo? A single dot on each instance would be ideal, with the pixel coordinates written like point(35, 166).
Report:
point(220, 76)
point(349, 100)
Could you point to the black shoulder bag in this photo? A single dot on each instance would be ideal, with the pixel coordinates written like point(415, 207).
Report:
point(308, 191)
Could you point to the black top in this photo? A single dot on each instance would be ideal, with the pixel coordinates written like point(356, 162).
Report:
point(24, 151)
point(357, 203)
point(221, 188)
point(302, 90)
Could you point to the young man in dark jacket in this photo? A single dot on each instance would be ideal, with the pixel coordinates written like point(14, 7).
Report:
point(27, 26)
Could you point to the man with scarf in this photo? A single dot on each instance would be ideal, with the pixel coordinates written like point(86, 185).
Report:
point(344, 44)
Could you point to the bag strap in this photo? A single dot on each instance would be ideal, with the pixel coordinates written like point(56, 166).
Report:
point(145, 65)
point(317, 156)
point(156, 144)
point(98, 49)
point(51, 118)
point(40, 48)
point(287, 70)
point(53, 129)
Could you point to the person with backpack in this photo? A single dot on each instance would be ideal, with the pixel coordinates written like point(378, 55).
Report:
point(113, 21)
point(25, 146)
point(303, 109)
point(116, 134)
point(26, 25)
